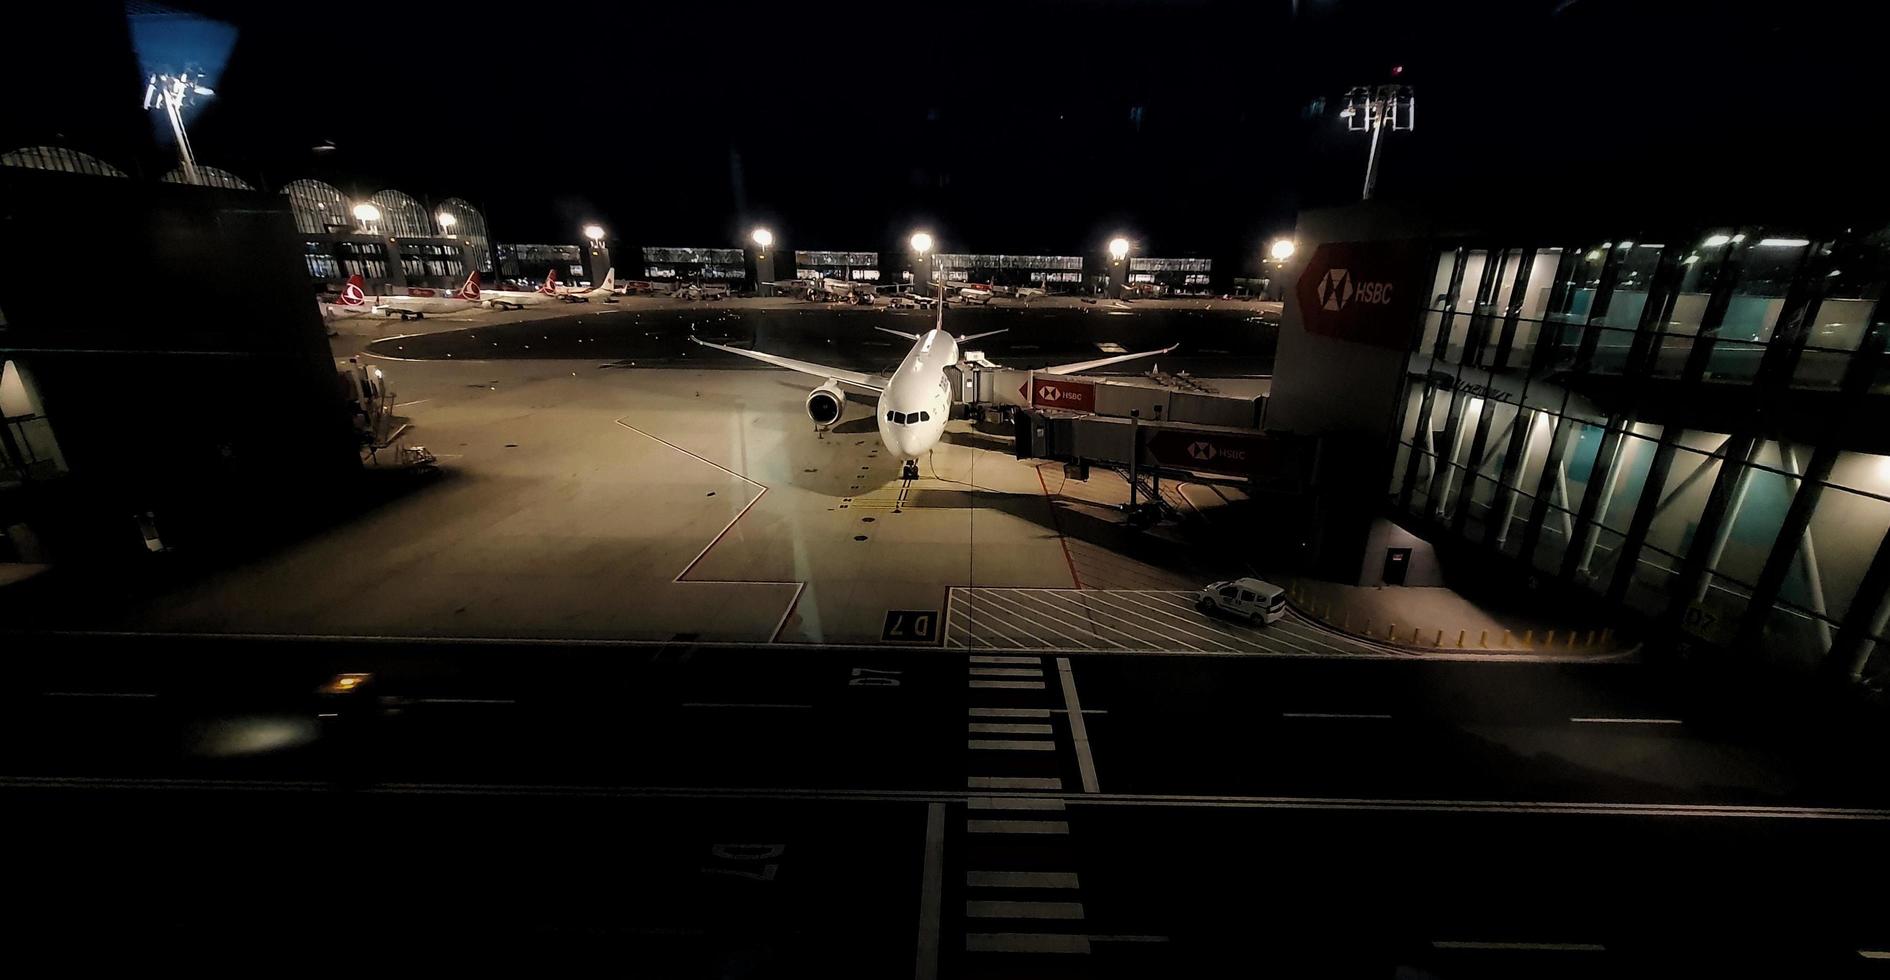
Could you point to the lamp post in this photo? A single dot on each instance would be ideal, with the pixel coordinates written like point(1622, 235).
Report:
point(763, 260)
point(172, 93)
point(1370, 109)
point(921, 244)
point(1278, 254)
point(1118, 266)
point(600, 253)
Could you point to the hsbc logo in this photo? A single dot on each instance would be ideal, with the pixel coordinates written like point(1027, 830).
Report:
point(1339, 290)
point(1049, 393)
point(1206, 452)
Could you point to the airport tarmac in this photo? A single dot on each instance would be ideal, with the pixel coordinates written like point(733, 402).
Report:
point(581, 500)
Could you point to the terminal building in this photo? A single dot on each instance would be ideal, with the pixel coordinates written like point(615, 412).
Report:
point(847, 266)
point(1682, 422)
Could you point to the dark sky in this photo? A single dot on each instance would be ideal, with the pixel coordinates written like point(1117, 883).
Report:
point(1019, 126)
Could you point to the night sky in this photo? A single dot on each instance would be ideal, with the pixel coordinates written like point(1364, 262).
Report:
point(1023, 126)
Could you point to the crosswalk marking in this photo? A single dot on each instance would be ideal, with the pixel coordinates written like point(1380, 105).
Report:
point(992, 728)
point(1009, 712)
point(1017, 826)
point(1013, 782)
point(1024, 942)
point(1007, 671)
point(1009, 685)
point(1009, 745)
point(980, 909)
point(1020, 879)
point(1011, 803)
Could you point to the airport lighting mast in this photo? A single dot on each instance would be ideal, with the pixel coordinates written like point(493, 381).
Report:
point(1373, 108)
point(172, 93)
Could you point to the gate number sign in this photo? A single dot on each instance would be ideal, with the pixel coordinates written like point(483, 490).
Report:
point(910, 626)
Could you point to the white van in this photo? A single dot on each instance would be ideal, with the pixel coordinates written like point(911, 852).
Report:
point(1245, 598)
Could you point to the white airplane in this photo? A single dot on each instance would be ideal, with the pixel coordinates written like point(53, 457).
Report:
point(697, 291)
point(516, 299)
point(826, 290)
point(584, 294)
point(914, 402)
point(415, 305)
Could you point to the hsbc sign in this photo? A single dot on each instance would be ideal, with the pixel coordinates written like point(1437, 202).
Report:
point(1362, 292)
point(1220, 452)
point(1054, 392)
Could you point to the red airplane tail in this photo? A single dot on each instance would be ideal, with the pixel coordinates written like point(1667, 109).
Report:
point(471, 289)
point(550, 288)
point(355, 292)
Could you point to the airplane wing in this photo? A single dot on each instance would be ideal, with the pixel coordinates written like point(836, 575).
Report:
point(855, 378)
point(1081, 366)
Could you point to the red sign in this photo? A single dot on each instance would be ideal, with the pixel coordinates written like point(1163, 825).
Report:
point(1213, 452)
point(1049, 391)
point(1364, 292)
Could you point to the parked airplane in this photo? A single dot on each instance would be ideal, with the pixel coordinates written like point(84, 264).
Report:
point(914, 402)
point(517, 299)
point(414, 305)
point(605, 290)
point(827, 290)
point(698, 291)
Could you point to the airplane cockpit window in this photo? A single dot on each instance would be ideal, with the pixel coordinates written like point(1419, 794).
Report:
point(925, 416)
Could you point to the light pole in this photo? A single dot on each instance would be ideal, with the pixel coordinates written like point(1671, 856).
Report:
point(1118, 266)
point(921, 243)
point(172, 92)
point(600, 254)
point(1278, 254)
point(764, 262)
point(1371, 108)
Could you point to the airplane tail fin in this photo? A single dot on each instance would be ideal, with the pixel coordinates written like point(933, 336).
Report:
point(550, 288)
point(355, 292)
point(610, 279)
point(898, 333)
point(471, 289)
point(987, 333)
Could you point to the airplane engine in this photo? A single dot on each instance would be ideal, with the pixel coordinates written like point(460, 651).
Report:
point(826, 404)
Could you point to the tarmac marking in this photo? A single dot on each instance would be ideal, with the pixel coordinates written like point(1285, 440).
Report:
point(1629, 721)
point(1549, 947)
point(1019, 596)
point(987, 909)
point(930, 889)
point(1874, 954)
point(739, 704)
point(1006, 660)
point(989, 599)
point(1009, 712)
point(971, 616)
point(1051, 503)
point(1009, 685)
point(1020, 879)
point(991, 728)
point(1168, 622)
point(1250, 636)
point(1008, 745)
point(1006, 672)
point(1079, 733)
point(1012, 803)
point(1024, 942)
point(417, 401)
point(1085, 604)
point(1013, 782)
point(1017, 827)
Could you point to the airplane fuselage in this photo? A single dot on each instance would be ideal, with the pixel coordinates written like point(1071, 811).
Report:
point(918, 399)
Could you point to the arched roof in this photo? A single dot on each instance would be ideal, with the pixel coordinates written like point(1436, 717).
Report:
point(210, 177)
point(317, 206)
point(58, 158)
point(401, 215)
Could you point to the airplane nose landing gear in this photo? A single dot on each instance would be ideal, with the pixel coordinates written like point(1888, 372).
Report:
point(911, 471)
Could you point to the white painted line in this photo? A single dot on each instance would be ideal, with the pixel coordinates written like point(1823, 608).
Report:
point(1008, 745)
point(1006, 660)
point(1017, 827)
point(465, 701)
point(1079, 606)
point(1128, 939)
point(1168, 622)
point(1005, 728)
point(1550, 947)
point(1331, 714)
point(739, 704)
point(1038, 620)
point(416, 401)
point(982, 909)
point(1024, 942)
point(1013, 782)
point(97, 694)
point(1020, 879)
point(1012, 803)
point(1874, 954)
point(930, 888)
point(1010, 685)
point(1079, 732)
point(1629, 721)
point(1006, 672)
point(1009, 712)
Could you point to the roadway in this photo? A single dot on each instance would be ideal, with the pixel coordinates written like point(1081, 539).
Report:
point(727, 811)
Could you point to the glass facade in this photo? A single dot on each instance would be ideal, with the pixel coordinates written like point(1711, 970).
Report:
point(1679, 426)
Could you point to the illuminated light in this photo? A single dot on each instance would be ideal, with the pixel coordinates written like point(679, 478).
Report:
point(1282, 249)
point(1715, 241)
point(1784, 242)
point(378, 375)
point(367, 212)
point(594, 232)
point(921, 243)
point(446, 220)
point(763, 237)
point(1118, 248)
point(1627, 244)
point(1738, 238)
point(1593, 254)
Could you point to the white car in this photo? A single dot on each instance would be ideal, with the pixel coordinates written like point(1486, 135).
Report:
point(1244, 598)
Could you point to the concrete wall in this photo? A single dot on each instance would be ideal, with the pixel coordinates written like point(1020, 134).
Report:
point(1424, 568)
